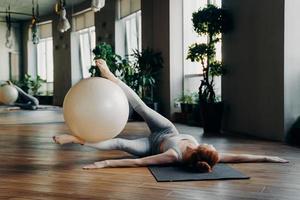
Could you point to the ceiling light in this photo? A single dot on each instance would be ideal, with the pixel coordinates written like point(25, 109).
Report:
point(34, 25)
point(63, 24)
point(8, 35)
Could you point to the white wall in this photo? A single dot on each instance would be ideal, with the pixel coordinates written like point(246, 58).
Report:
point(4, 51)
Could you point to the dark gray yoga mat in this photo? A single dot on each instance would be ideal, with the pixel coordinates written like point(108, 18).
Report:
point(177, 173)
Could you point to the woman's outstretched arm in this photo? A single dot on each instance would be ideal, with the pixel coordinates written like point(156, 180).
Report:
point(244, 158)
point(167, 157)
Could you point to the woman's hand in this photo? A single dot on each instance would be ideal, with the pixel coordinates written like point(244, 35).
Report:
point(96, 165)
point(276, 159)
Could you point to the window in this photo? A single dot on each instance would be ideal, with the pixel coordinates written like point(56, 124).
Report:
point(85, 31)
point(45, 59)
point(193, 70)
point(133, 32)
point(129, 27)
point(87, 43)
point(190, 36)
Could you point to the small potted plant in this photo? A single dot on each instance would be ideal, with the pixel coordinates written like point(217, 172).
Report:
point(210, 21)
point(187, 102)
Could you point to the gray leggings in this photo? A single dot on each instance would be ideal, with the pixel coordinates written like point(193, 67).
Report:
point(142, 146)
point(25, 99)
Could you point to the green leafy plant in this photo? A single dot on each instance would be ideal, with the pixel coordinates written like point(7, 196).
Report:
point(30, 84)
point(105, 51)
point(35, 84)
point(138, 74)
point(147, 64)
point(210, 21)
point(120, 67)
point(187, 98)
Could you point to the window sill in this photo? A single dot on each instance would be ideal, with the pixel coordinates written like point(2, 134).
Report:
point(192, 75)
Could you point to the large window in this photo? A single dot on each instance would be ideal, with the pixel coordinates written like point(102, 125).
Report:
point(45, 59)
point(87, 43)
point(193, 70)
point(85, 29)
point(129, 27)
point(133, 32)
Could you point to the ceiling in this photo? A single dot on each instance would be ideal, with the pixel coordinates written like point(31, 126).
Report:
point(25, 6)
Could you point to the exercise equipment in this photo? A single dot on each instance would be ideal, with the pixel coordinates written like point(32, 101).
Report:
point(95, 109)
point(8, 94)
point(181, 173)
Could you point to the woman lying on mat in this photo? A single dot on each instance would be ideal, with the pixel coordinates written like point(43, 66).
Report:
point(164, 145)
point(24, 100)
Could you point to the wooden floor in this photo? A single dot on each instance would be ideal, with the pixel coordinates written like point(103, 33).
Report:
point(33, 167)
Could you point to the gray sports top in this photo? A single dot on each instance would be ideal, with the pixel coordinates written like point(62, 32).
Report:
point(170, 139)
point(172, 142)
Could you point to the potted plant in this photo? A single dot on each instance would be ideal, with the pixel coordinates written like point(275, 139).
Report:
point(29, 84)
point(210, 21)
point(147, 64)
point(187, 102)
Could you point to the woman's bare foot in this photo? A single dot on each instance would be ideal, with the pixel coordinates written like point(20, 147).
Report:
point(65, 139)
point(105, 72)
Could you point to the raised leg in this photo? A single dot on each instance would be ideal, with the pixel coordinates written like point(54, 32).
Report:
point(26, 98)
point(154, 120)
point(138, 147)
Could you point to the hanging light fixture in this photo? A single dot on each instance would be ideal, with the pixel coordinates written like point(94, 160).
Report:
point(63, 24)
point(34, 25)
point(96, 5)
point(8, 35)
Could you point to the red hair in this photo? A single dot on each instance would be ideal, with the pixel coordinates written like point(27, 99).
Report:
point(203, 159)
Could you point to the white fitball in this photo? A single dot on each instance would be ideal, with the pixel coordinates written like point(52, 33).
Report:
point(8, 94)
point(95, 109)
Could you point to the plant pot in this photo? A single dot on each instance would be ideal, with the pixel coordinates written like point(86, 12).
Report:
point(212, 116)
point(197, 115)
point(186, 108)
point(45, 99)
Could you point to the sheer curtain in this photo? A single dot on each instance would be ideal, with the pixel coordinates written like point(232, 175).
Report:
point(133, 32)
point(84, 32)
point(87, 44)
point(45, 59)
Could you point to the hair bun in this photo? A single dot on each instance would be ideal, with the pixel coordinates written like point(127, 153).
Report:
point(203, 166)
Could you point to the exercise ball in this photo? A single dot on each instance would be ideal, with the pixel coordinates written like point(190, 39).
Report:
point(95, 109)
point(8, 94)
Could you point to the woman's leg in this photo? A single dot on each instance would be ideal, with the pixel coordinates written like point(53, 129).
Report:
point(154, 120)
point(26, 98)
point(137, 147)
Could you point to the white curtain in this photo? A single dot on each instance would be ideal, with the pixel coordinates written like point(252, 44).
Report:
point(133, 33)
point(87, 39)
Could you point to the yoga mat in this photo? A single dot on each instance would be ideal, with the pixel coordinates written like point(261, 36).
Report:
point(179, 173)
